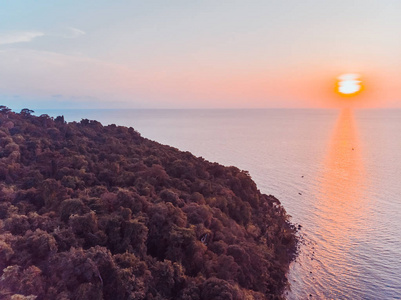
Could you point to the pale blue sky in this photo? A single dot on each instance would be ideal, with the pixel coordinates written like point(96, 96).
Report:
point(187, 54)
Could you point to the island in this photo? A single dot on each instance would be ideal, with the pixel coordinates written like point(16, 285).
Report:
point(99, 212)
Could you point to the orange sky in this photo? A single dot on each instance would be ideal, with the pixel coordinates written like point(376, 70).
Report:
point(256, 54)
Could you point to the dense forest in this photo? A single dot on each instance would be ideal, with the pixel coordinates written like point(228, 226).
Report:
point(98, 212)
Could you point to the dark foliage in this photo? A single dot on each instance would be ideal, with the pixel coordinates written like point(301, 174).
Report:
point(98, 212)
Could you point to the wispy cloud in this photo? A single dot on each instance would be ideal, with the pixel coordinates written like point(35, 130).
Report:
point(67, 33)
point(74, 32)
point(14, 37)
point(19, 37)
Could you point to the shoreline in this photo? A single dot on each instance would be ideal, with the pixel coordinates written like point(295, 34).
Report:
point(113, 192)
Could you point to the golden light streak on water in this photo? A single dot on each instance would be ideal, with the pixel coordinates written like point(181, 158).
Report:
point(342, 180)
point(340, 207)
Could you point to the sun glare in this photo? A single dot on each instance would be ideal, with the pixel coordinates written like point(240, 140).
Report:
point(349, 84)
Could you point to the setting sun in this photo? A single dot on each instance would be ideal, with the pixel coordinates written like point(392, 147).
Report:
point(349, 84)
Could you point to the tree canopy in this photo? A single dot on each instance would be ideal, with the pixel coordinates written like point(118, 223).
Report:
point(98, 212)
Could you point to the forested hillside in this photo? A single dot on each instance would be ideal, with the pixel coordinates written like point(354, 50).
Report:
point(98, 212)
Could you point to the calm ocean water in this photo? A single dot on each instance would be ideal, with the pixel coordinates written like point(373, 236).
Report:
point(337, 173)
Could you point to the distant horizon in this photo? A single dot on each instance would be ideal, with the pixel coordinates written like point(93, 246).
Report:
point(17, 110)
point(119, 105)
point(344, 105)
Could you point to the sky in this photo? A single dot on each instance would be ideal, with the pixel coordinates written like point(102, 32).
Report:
point(198, 54)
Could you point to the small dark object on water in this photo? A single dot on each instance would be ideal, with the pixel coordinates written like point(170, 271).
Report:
point(300, 193)
point(302, 176)
point(352, 149)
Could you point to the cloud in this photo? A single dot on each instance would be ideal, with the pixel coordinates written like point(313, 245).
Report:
point(73, 32)
point(66, 33)
point(14, 37)
point(19, 37)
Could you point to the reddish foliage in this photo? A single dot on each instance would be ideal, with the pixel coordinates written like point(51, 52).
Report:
point(94, 212)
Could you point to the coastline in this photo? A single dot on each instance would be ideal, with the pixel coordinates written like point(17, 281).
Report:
point(104, 195)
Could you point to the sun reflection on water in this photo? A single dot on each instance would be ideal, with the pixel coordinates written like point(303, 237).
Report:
point(339, 201)
point(343, 172)
point(337, 218)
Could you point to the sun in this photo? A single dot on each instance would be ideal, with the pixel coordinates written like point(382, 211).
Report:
point(349, 84)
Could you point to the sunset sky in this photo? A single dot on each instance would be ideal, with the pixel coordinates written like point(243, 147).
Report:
point(198, 54)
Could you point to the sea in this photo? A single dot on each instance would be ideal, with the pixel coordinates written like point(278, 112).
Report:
point(336, 172)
